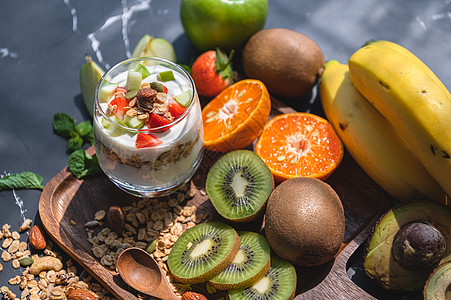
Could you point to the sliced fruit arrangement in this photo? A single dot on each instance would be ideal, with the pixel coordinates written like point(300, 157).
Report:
point(236, 117)
point(90, 74)
point(215, 253)
point(373, 141)
point(407, 244)
point(278, 283)
point(250, 264)
point(202, 252)
point(212, 72)
point(412, 99)
point(300, 144)
point(239, 185)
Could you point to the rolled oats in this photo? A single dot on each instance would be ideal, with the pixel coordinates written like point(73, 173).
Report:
point(15, 235)
point(23, 246)
point(16, 264)
point(7, 242)
point(6, 256)
point(100, 215)
point(15, 280)
point(14, 247)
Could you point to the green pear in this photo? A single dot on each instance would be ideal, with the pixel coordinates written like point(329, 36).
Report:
point(90, 75)
point(149, 46)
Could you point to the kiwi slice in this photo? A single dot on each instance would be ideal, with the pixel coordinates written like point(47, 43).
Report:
point(278, 283)
point(249, 265)
point(202, 252)
point(239, 185)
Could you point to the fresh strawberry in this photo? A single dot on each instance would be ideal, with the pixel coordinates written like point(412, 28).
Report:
point(165, 89)
point(121, 104)
point(144, 140)
point(175, 108)
point(155, 120)
point(212, 72)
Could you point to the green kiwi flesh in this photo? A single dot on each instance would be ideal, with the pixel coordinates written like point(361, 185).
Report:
point(250, 264)
point(278, 283)
point(239, 185)
point(202, 252)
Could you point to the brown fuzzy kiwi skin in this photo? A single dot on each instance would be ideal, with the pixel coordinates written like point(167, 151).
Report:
point(246, 283)
point(288, 62)
point(304, 221)
point(216, 270)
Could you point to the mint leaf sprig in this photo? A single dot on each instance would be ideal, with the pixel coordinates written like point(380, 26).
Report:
point(77, 134)
point(81, 164)
point(24, 180)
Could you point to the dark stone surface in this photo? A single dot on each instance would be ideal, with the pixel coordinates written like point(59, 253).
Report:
point(43, 44)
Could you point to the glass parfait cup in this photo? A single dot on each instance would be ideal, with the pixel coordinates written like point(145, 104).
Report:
point(144, 161)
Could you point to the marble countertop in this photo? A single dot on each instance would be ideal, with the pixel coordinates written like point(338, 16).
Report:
point(43, 45)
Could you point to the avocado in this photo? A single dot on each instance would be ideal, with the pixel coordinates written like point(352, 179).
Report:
point(407, 243)
point(438, 286)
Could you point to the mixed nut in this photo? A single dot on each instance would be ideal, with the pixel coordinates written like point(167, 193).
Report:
point(45, 276)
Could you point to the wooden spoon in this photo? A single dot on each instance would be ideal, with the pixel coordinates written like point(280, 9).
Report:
point(140, 271)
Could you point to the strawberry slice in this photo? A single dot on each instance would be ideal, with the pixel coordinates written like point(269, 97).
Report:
point(121, 104)
point(175, 108)
point(121, 89)
point(144, 140)
point(156, 120)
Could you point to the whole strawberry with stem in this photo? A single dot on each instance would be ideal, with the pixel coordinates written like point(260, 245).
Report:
point(212, 72)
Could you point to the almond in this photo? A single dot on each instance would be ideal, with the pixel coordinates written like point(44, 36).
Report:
point(116, 219)
point(193, 296)
point(79, 294)
point(37, 238)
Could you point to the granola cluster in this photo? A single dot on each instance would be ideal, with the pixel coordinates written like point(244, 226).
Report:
point(150, 224)
point(44, 275)
point(149, 99)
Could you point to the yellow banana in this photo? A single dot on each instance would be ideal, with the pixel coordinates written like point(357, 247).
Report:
point(413, 58)
point(412, 101)
point(372, 141)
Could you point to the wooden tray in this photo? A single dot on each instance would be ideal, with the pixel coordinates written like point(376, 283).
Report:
point(66, 198)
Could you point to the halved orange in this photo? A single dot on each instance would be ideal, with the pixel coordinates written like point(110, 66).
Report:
point(236, 117)
point(300, 145)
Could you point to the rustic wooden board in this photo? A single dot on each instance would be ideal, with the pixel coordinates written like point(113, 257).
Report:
point(66, 198)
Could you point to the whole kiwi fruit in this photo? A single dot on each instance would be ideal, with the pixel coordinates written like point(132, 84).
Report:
point(288, 62)
point(304, 221)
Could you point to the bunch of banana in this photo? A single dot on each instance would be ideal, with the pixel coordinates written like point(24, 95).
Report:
point(372, 141)
point(409, 95)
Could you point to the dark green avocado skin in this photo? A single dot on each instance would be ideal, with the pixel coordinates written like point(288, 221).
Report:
point(379, 261)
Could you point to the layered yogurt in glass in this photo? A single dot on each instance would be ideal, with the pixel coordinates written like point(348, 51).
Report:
point(148, 126)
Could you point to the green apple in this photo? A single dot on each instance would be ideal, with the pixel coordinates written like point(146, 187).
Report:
point(223, 24)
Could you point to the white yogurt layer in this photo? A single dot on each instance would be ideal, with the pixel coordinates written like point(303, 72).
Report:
point(147, 168)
